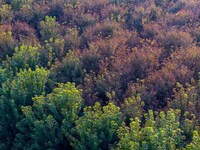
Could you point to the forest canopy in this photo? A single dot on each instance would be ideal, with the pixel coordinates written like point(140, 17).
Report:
point(100, 74)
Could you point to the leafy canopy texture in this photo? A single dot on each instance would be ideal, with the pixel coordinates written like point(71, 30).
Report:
point(48, 122)
point(99, 74)
point(163, 132)
point(96, 129)
point(15, 94)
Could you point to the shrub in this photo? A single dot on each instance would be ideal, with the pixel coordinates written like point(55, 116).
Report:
point(84, 21)
point(56, 46)
point(163, 81)
point(91, 62)
point(196, 35)
point(194, 145)
point(150, 31)
point(180, 19)
point(71, 39)
point(186, 98)
point(132, 107)
point(27, 84)
point(4, 75)
point(70, 69)
point(48, 122)
point(24, 57)
point(21, 30)
point(49, 28)
point(6, 14)
point(16, 4)
point(177, 7)
point(134, 41)
point(174, 40)
point(98, 134)
point(7, 44)
point(56, 10)
point(99, 87)
point(105, 31)
point(162, 132)
point(14, 94)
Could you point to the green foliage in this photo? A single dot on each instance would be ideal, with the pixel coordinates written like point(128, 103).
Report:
point(55, 47)
point(69, 70)
point(137, 54)
point(48, 122)
point(195, 144)
point(49, 28)
point(186, 98)
point(27, 84)
point(24, 57)
point(96, 129)
point(133, 107)
point(18, 4)
point(6, 13)
point(16, 93)
point(163, 132)
point(7, 44)
point(4, 75)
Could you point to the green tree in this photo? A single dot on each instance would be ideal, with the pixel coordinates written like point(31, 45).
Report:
point(96, 129)
point(7, 44)
point(186, 98)
point(49, 28)
point(133, 107)
point(162, 133)
point(69, 70)
point(24, 57)
point(195, 144)
point(26, 85)
point(15, 94)
point(6, 13)
point(4, 75)
point(47, 123)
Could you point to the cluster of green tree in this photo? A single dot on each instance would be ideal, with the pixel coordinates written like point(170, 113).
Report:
point(31, 119)
point(100, 74)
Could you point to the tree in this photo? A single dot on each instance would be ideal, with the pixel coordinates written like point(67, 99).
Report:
point(16, 93)
point(6, 13)
point(48, 122)
point(24, 57)
point(49, 28)
point(163, 132)
point(69, 70)
point(96, 129)
point(195, 144)
point(7, 44)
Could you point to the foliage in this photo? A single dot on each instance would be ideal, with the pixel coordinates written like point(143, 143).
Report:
point(7, 44)
point(49, 28)
point(140, 55)
point(48, 122)
point(96, 129)
point(133, 107)
point(14, 94)
point(24, 57)
point(195, 142)
point(25, 85)
point(186, 98)
point(69, 70)
point(6, 13)
point(163, 132)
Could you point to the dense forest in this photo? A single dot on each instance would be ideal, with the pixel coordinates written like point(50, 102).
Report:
point(100, 74)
